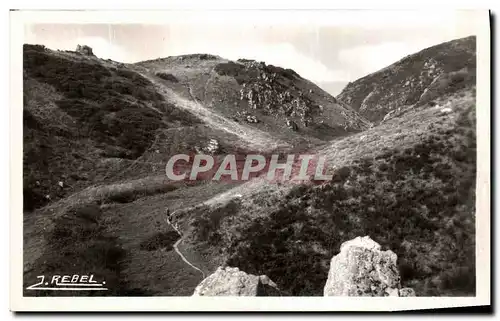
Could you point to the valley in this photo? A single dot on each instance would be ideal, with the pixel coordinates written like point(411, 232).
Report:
point(400, 144)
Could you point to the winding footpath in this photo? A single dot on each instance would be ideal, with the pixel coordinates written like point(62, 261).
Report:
point(176, 248)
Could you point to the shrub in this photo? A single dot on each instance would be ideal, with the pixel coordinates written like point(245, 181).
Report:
point(207, 57)
point(128, 195)
point(90, 212)
point(164, 240)
point(231, 69)
point(207, 223)
point(166, 76)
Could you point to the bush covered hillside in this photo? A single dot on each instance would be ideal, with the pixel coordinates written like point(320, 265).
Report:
point(78, 111)
point(447, 67)
point(413, 191)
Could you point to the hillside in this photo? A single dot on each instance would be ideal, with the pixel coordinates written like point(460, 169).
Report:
point(85, 121)
point(98, 134)
point(98, 121)
point(414, 80)
point(409, 184)
point(265, 97)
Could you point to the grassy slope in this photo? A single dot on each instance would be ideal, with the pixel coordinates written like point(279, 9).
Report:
point(449, 66)
point(120, 233)
point(82, 117)
point(409, 184)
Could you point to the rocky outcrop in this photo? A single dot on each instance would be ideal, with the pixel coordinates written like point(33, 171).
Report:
point(362, 269)
point(212, 147)
point(230, 281)
point(274, 91)
point(265, 91)
point(84, 50)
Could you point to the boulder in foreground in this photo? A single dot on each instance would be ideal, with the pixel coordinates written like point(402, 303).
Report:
point(362, 269)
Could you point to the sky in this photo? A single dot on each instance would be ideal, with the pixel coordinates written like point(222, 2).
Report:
point(329, 54)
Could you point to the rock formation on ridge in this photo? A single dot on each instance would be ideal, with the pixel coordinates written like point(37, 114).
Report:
point(84, 50)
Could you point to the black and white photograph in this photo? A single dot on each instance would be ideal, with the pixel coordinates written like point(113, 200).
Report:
point(332, 155)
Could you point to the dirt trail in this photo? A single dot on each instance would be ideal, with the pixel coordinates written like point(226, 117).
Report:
point(254, 138)
point(176, 245)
